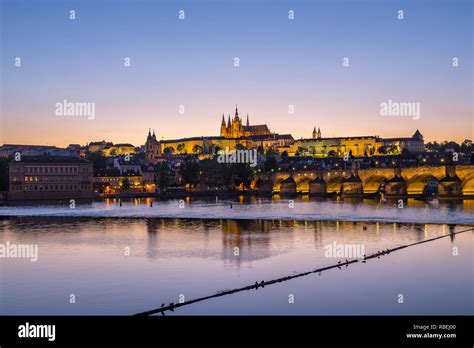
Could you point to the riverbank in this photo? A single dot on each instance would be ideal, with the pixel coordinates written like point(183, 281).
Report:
point(233, 195)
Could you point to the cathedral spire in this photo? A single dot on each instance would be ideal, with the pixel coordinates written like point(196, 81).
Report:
point(314, 133)
point(228, 122)
point(236, 111)
point(154, 136)
point(149, 132)
point(248, 123)
point(223, 127)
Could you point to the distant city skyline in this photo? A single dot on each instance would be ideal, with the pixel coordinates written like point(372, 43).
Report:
point(190, 62)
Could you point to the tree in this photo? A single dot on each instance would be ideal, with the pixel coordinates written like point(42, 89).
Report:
point(211, 172)
point(394, 149)
point(125, 183)
point(406, 153)
point(169, 150)
point(269, 151)
point(242, 174)
point(211, 149)
point(300, 151)
point(450, 145)
point(332, 153)
point(4, 173)
point(162, 175)
point(239, 146)
point(466, 146)
point(284, 154)
point(227, 173)
point(180, 147)
point(189, 171)
point(99, 161)
point(197, 149)
point(270, 164)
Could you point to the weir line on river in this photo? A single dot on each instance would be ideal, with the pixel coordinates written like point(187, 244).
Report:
point(172, 306)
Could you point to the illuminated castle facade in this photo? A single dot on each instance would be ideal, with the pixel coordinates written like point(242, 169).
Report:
point(235, 128)
point(234, 134)
point(359, 146)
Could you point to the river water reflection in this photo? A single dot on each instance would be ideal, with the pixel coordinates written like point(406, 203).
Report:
point(85, 255)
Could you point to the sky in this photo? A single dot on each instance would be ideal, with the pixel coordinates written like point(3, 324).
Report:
point(190, 62)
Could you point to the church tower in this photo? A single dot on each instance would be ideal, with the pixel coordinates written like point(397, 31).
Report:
point(237, 130)
point(223, 127)
point(316, 134)
point(152, 148)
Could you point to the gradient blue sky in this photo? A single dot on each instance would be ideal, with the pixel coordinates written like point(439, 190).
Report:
point(190, 62)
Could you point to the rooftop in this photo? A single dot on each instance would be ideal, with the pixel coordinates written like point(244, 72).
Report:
point(50, 159)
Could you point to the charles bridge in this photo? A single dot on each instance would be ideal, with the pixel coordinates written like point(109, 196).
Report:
point(447, 180)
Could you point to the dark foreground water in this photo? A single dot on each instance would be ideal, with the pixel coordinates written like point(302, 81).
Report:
point(169, 258)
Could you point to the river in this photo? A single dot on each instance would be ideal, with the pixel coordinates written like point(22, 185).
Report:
point(129, 258)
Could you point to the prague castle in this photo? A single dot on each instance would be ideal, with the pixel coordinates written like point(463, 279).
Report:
point(359, 146)
point(234, 135)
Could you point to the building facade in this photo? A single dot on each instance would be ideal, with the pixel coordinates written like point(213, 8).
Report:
point(234, 135)
point(109, 149)
point(8, 150)
point(235, 128)
point(50, 177)
point(414, 144)
point(153, 152)
point(363, 146)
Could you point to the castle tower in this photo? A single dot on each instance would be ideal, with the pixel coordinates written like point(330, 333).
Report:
point(223, 127)
point(248, 123)
point(237, 129)
point(417, 135)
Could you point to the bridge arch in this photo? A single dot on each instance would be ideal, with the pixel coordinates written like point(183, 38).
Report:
point(416, 185)
point(277, 184)
point(334, 184)
point(468, 186)
point(303, 185)
point(373, 183)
